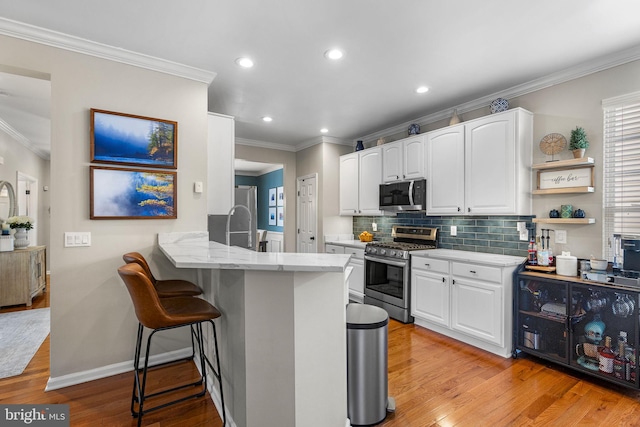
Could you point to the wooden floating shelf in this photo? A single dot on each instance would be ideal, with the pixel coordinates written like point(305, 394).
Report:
point(565, 190)
point(561, 164)
point(564, 220)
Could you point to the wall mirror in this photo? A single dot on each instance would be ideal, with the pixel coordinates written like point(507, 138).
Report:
point(7, 201)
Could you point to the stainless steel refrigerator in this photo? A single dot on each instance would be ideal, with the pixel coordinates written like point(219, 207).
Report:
point(242, 222)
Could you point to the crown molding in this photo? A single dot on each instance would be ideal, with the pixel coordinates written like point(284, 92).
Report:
point(584, 69)
point(59, 40)
point(263, 144)
point(6, 128)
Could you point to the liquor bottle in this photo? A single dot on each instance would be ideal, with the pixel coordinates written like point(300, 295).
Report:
point(532, 251)
point(621, 363)
point(606, 357)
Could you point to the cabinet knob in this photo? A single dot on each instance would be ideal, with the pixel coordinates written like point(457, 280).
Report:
point(468, 209)
point(427, 265)
point(472, 271)
point(459, 209)
point(443, 280)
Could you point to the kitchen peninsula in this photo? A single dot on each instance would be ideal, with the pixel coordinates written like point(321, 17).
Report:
point(282, 334)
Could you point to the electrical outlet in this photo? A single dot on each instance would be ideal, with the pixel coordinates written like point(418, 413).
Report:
point(561, 236)
point(374, 226)
point(454, 230)
point(524, 235)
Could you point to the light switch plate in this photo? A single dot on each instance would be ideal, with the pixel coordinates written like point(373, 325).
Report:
point(197, 187)
point(77, 239)
point(454, 230)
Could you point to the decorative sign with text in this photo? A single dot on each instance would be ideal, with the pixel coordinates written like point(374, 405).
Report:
point(567, 178)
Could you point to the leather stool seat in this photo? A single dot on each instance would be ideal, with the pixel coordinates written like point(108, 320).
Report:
point(165, 288)
point(159, 314)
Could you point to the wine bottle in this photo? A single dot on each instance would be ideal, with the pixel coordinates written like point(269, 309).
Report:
point(606, 357)
point(620, 363)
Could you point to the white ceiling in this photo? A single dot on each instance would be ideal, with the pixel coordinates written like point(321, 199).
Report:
point(463, 50)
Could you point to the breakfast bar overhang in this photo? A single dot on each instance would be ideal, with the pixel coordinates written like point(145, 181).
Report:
point(282, 331)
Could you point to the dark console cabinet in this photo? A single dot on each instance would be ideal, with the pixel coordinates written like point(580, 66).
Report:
point(566, 320)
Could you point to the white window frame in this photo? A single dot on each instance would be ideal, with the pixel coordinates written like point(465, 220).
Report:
point(621, 164)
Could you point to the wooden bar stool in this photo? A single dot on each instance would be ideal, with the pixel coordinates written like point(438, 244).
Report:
point(160, 314)
point(165, 288)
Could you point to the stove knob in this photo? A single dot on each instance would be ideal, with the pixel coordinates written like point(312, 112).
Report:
point(383, 251)
point(392, 253)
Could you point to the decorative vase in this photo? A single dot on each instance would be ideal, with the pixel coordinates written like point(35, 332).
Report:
point(414, 129)
point(454, 119)
point(21, 238)
point(578, 153)
point(359, 146)
point(566, 211)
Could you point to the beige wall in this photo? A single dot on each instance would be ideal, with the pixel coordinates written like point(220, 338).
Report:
point(288, 160)
point(92, 321)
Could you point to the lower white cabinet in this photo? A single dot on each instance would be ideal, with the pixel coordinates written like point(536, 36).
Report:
point(466, 296)
point(356, 280)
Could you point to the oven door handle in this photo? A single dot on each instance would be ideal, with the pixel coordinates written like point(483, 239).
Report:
point(386, 261)
point(411, 193)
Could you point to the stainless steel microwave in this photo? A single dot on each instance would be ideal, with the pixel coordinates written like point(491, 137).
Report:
point(404, 196)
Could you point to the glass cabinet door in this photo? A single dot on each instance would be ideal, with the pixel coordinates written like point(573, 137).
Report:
point(604, 332)
point(542, 318)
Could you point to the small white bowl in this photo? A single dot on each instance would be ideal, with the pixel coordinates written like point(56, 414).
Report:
point(599, 264)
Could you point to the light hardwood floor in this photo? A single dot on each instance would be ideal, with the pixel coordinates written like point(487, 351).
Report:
point(436, 381)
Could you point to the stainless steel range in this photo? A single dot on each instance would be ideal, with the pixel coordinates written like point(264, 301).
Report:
point(387, 267)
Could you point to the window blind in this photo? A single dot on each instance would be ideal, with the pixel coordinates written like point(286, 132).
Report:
point(621, 187)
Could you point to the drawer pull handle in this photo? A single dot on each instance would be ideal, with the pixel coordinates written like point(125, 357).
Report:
point(472, 271)
point(443, 280)
point(427, 265)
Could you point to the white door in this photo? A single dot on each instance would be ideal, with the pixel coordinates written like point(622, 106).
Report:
point(430, 297)
point(307, 215)
point(349, 181)
point(392, 162)
point(27, 203)
point(369, 188)
point(413, 158)
point(476, 310)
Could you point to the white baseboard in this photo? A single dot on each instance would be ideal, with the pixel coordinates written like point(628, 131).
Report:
point(55, 383)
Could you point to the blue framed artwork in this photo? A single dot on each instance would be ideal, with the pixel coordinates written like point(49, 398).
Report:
point(272, 197)
point(272, 216)
point(126, 139)
point(119, 193)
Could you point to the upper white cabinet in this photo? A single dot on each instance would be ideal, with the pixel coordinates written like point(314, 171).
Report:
point(481, 167)
point(220, 160)
point(360, 174)
point(404, 159)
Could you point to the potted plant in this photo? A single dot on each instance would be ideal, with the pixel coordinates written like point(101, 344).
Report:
point(21, 224)
point(578, 142)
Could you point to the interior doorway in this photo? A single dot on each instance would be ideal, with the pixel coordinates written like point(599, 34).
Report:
point(27, 202)
point(307, 208)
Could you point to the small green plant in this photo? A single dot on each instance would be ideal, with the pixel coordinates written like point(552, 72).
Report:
point(578, 139)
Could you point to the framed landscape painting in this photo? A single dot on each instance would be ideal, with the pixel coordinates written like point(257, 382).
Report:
point(126, 139)
point(119, 193)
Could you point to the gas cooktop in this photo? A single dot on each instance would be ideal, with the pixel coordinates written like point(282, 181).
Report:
point(405, 240)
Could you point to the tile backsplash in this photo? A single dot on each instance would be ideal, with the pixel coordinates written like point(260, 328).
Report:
point(490, 234)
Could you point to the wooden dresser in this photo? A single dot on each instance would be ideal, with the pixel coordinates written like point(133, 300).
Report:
point(22, 275)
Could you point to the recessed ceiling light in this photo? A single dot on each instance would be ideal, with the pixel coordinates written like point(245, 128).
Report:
point(422, 89)
point(333, 54)
point(244, 62)
point(267, 119)
point(324, 130)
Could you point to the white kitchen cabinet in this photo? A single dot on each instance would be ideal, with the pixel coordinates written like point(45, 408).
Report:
point(220, 164)
point(404, 159)
point(430, 290)
point(466, 296)
point(445, 171)
point(491, 175)
point(476, 304)
point(356, 280)
point(360, 174)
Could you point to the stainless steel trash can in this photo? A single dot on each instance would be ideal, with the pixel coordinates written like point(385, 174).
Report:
point(367, 384)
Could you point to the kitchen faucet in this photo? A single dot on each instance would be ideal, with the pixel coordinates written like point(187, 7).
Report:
point(228, 233)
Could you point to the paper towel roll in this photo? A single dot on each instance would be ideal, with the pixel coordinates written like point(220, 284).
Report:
point(566, 265)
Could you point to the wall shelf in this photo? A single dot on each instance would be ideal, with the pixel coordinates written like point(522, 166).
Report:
point(564, 220)
point(561, 164)
point(568, 190)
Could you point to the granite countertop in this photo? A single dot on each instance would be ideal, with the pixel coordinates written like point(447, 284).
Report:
point(467, 256)
point(194, 250)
